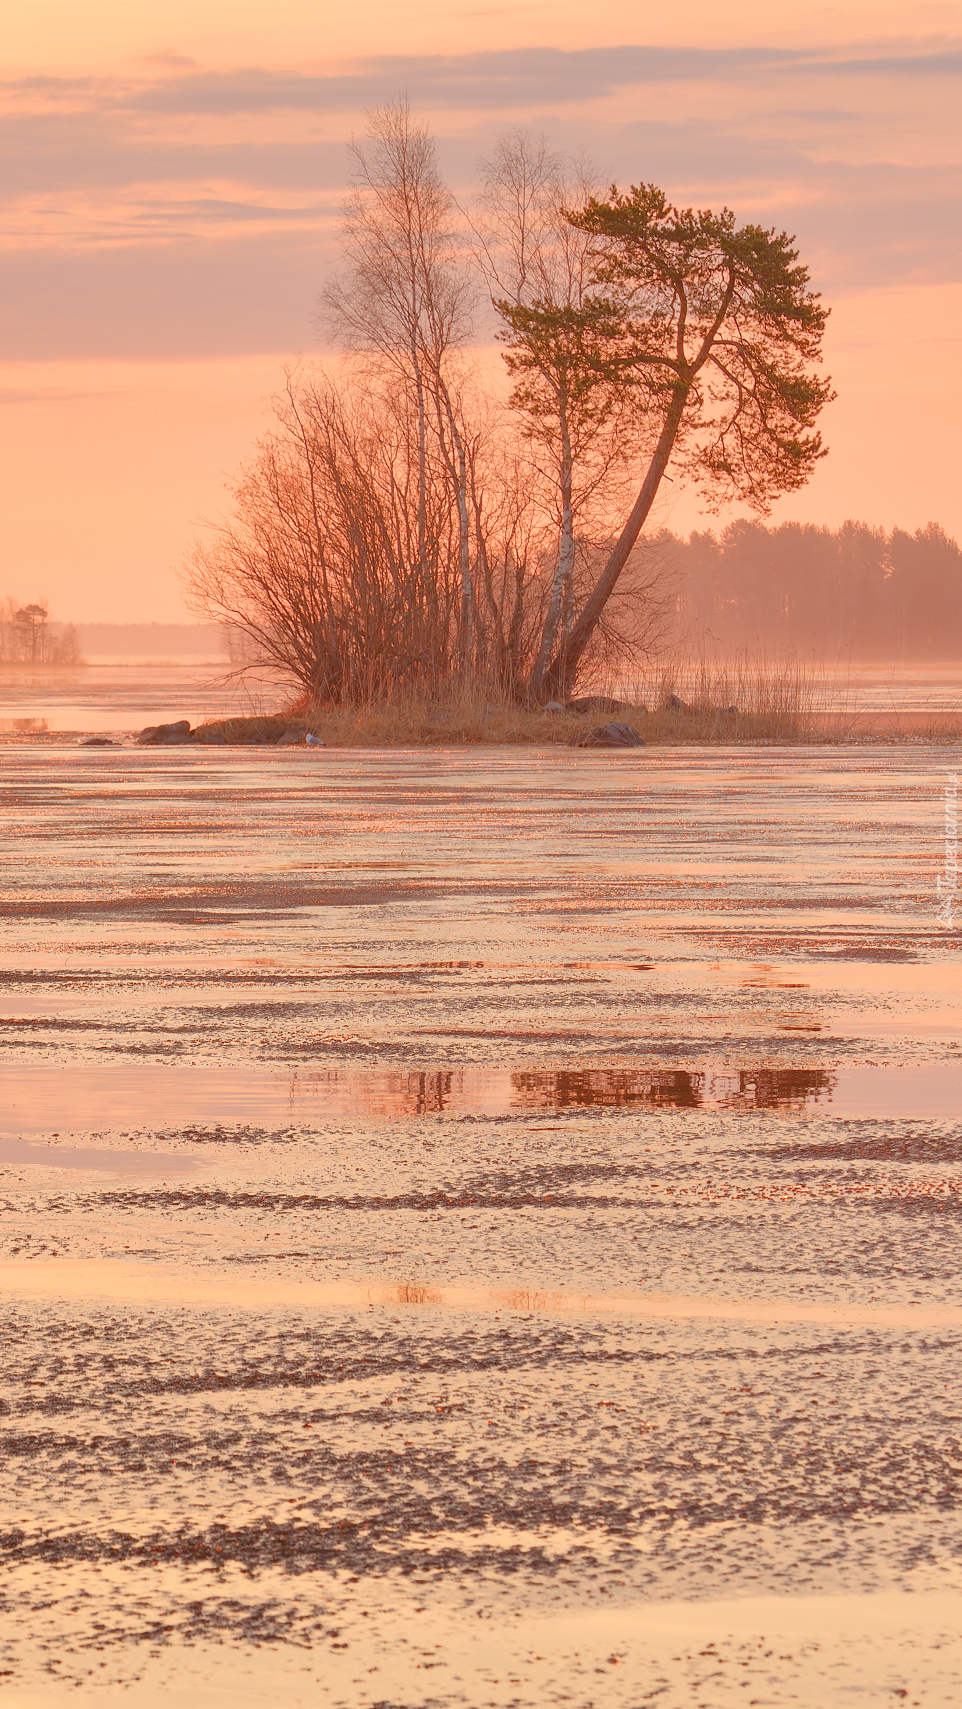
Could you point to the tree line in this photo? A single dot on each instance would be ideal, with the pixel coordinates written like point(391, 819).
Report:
point(855, 591)
point(411, 520)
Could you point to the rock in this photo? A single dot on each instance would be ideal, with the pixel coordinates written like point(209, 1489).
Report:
point(595, 703)
point(312, 740)
point(552, 706)
point(292, 738)
point(611, 736)
point(97, 742)
point(165, 735)
point(673, 704)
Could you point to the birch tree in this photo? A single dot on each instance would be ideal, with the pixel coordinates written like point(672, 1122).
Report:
point(537, 264)
point(403, 298)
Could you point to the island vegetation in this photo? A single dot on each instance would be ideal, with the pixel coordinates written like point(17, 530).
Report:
point(412, 531)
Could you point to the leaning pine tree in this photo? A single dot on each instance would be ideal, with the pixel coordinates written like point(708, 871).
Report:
point(715, 331)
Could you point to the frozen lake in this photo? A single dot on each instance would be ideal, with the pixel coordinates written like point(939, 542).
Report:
point(117, 699)
point(480, 1228)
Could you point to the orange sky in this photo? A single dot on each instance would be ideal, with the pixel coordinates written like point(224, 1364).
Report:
point(171, 184)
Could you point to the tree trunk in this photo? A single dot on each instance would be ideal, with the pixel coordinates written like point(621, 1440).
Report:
point(467, 584)
point(422, 459)
point(562, 575)
point(460, 475)
point(562, 671)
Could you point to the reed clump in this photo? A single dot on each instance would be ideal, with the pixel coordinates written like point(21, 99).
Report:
point(747, 697)
point(678, 701)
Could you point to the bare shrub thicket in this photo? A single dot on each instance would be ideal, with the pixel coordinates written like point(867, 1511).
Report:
point(405, 530)
point(341, 567)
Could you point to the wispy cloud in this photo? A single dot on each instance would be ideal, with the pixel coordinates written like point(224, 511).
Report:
point(189, 298)
point(187, 210)
point(484, 80)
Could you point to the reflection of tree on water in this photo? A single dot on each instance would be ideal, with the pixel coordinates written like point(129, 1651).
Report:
point(430, 1092)
point(782, 1088)
point(422, 1092)
point(426, 1094)
point(755, 1088)
point(579, 1088)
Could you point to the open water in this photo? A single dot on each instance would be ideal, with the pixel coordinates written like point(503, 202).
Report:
point(479, 1228)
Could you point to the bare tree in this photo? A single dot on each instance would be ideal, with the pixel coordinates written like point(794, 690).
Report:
point(318, 577)
point(340, 566)
point(404, 297)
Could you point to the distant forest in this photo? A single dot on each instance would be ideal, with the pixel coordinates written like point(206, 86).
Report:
point(855, 591)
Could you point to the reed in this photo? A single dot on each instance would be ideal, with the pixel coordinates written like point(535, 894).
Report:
point(678, 701)
point(744, 698)
point(747, 696)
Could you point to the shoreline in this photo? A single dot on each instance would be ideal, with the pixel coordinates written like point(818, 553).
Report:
point(869, 735)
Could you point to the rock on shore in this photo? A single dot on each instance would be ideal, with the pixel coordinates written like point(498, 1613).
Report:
point(165, 735)
point(611, 736)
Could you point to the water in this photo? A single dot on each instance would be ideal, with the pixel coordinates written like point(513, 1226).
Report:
point(480, 1228)
point(119, 698)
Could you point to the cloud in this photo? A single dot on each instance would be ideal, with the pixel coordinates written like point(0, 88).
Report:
point(190, 212)
point(192, 298)
point(200, 284)
point(45, 152)
point(529, 75)
point(481, 80)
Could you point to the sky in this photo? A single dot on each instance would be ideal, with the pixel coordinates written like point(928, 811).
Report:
point(172, 178)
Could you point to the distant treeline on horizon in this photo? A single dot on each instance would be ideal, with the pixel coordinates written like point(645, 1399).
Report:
point(855, 590)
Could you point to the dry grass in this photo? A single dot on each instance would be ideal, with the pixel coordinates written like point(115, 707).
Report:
point(748, 697)
point(741, 700)
point(462, 720)
point(467, 719)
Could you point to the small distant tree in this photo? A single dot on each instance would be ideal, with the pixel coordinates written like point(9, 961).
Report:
point(8, 606)
point(63, 645)
point(714, 329)
point(30, 633)
point(27, 636)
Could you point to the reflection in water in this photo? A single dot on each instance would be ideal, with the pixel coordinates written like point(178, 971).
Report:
point(465, 1090)
point(383, 1093)
point(411, 1293)
point(15, 1152)
point(754, 1088)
